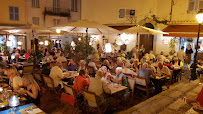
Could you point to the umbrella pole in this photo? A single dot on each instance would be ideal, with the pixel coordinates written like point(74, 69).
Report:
point(86, 41)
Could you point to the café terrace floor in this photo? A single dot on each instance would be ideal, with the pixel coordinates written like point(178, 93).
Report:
point(167, 102)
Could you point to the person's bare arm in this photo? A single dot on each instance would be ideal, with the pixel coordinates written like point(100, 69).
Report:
point(34, 93)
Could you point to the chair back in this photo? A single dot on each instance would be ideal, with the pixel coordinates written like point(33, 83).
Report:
point(140, 81)
point(68, 99)
point(90, 97)
point(127, 75)
point(49, 82)
point(131, 82)
point(37, 77)
point(68, 89)
point(28, 69)
point(64, 64)
point(53, 64)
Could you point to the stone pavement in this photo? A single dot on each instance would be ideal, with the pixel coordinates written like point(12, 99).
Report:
point(169, 101)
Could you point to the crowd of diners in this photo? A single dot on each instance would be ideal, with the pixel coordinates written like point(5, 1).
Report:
point(111, 67)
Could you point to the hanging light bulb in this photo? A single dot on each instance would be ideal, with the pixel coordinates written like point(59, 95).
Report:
point(41, 43)
point(58, 31)
point(90, 43)
point(11, 37)
point(19, 43)
point(79, 39)
point(46, 43)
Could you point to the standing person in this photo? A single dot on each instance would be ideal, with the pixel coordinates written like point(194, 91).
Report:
point(135, 51)
point(141, 51)
point(188, 51)
point(181, 54)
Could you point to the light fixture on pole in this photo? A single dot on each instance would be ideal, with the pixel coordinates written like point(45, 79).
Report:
point(199, 18)
point(41, 43)
point(19, 43)
point(46, 43)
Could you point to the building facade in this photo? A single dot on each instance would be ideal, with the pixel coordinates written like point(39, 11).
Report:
point(158, 14)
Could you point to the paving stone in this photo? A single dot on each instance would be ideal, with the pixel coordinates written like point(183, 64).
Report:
point(168, 111)
point(186, 88)
point(197, 89)
point(191, 95)
point(177, 105)
point(175, 94)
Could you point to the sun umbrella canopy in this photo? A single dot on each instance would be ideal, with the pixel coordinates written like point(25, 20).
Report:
point(142, 30)
point(82, 25)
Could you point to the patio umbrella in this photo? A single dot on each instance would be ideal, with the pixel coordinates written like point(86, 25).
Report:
point(142, 30)
point(86, 26)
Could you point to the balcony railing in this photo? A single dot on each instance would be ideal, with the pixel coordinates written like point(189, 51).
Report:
point(57, 12)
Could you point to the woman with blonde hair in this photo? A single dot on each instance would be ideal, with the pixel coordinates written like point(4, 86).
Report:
point(32, 89)
point(15, 81)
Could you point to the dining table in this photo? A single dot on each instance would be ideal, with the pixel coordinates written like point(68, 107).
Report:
point(115, 88)
point(25, 109)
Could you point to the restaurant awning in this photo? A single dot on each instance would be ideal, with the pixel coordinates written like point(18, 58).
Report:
point(183, 31)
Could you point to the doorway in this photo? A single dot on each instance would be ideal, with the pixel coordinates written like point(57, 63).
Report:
point(147, 41)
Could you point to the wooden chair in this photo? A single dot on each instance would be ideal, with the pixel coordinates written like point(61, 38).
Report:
point(38, 78)
point(131, 82)
point(141, 84)
point(69, 90)
point(64, 64)
point(127, 75)
point(68, 99)
point(91, 97)
point(28, 69)
point(53, 64)
point(49, 83)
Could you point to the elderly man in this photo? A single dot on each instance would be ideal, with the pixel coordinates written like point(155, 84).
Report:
point(57, 74)
point(146, 73)
point(167, 63)
point(127, 70)
point(72, 66)
point(82, 65)
point(92, 64)
point(163, 70)
point(61, 58)
point(99, 87)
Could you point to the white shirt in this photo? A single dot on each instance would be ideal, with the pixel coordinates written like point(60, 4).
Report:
point(93, 65)
point(15, 82)
point(151, 56)
point(128, 71)
point(181, 54)
point(48, 58)
point(163, 57)
point(61, 59)
point(164, 70)
point(56, 74)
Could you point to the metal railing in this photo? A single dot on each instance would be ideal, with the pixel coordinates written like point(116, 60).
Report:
point(57, 11)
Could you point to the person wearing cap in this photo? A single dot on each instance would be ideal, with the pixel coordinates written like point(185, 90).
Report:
point(99, 87)
point(167, 63)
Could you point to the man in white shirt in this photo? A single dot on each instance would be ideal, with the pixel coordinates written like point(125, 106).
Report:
point(151, 55)
point(98, 87)
point(61, 58)
point(162, 56)
point(48, 57)
point(57, 74)
point(181, 54)
point(127, 70)
point(163, 69)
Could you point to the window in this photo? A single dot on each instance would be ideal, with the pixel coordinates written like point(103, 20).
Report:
point(14, 13)
point(194, 6)
point(35, 20)
point(74, 5)
point(121, 13)
point(56, 22)
point(35, 3)
point(56, 5)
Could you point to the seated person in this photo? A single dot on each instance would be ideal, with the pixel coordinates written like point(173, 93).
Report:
point(177, 63)
point(99, 87)
point(93, 64)
point(57, 74)
point(127, 70)
point(105, 72)
point(151, 67)
point(81, 82)
point(82, 65)
point(32, 90)
point(162, 56)
point(143, 60)
point(61, 58)
point(72, 66)
point(3, 62)
point(2, 75)
point(48, 57)
point(107, 64)
point(136, 65)
point(120, 78)
point(27, 55)
point(163, 70)
point(146, 73)
point(151, 55)
point(167, 63)
point(15, 81)
point(46, 69)
point(58, 54)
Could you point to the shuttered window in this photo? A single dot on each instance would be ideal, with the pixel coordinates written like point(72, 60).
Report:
point(13, 13)
point(35, 3)
point(74, 5)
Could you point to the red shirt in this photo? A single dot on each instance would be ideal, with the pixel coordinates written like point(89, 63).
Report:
point(80, 83)
point(169, 66)
point(200, 98)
